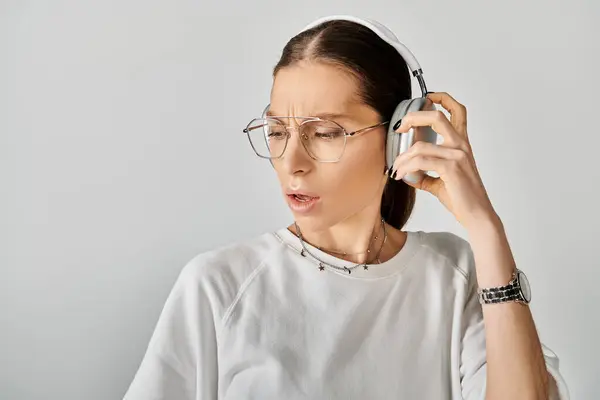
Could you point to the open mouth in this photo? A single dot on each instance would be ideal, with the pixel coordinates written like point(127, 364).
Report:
point(302, 203)
point(303, 198)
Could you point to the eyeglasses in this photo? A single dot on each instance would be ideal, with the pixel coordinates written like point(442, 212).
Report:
point(324, 140)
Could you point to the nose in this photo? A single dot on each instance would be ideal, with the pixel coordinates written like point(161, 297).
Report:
point(295, 159)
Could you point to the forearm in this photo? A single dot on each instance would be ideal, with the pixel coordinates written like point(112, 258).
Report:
point(515, 362)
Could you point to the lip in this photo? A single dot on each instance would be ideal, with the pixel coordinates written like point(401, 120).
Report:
point(301, 192)
point(301, 207)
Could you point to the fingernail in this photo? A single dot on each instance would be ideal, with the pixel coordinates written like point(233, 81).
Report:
point(390, 172)
point(385, 170)
point(397, 124)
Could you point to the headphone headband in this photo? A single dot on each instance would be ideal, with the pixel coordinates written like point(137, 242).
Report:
point(384, 33)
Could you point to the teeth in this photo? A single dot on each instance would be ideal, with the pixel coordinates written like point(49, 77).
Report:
point(302, 198)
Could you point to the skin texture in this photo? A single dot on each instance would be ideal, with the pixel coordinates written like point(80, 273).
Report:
point(350, 190)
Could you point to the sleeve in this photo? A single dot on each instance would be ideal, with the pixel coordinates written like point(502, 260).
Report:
point(180, 362)
point(473, 353)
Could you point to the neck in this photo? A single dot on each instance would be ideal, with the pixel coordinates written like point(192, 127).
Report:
point(354, 236)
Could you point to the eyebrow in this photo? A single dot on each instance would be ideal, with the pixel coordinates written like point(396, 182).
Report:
point(323, 115)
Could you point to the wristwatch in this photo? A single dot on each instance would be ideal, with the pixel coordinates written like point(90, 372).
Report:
point(517, 290)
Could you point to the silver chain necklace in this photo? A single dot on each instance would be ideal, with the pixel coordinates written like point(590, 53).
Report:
point(322, 263)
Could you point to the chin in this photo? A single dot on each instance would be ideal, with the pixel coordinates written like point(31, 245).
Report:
point(313, 223)
point(309, 222)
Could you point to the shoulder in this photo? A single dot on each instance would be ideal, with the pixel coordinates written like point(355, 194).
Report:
point(450, 250)
point(221, 273)
point(245, 254)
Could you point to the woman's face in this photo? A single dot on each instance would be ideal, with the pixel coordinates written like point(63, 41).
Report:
point(337, 191)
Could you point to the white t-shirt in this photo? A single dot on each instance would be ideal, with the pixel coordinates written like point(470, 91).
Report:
point(258, 320)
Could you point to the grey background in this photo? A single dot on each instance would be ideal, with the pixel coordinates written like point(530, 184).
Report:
point(122, 157)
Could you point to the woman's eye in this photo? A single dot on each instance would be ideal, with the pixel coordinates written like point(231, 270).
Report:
point(276, 135)
point(327, 135)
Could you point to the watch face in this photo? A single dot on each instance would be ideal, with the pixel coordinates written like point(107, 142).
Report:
point(525, 288)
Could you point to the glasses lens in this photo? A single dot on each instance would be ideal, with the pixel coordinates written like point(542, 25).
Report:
point(268, 137)
point(324, 140)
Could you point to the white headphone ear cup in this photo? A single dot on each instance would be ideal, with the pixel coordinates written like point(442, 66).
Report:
point(397, 143)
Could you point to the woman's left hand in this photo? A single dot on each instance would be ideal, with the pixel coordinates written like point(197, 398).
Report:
point(459, 187)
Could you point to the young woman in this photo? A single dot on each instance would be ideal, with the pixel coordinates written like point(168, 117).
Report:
point(343, 303)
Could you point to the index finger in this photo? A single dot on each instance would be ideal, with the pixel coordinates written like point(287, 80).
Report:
point(458, 112)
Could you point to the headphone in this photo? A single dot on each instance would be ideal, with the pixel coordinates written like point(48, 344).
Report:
point(396, 143)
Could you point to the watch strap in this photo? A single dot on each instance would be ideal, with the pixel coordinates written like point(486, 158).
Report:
point(501, 294)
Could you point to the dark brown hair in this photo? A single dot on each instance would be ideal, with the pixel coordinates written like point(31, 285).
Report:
point(383, 80)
